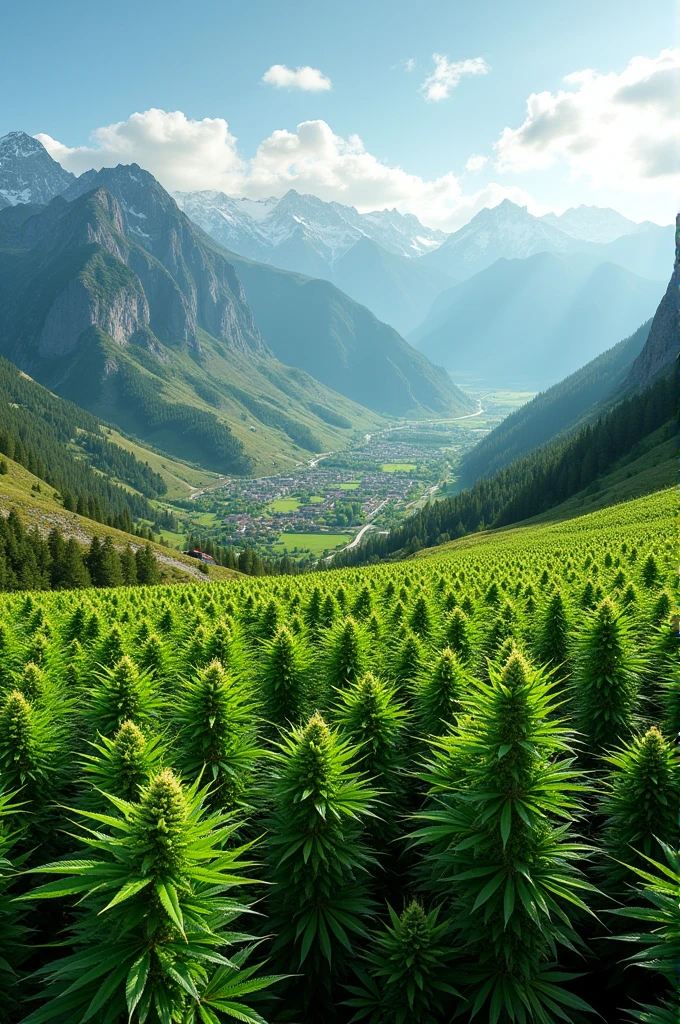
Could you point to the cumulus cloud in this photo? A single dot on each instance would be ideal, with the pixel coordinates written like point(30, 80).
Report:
point(476, 162)
point(618, 130)
point(447, 74)
point(305, 78)
point(188, 155)
point(180, 152)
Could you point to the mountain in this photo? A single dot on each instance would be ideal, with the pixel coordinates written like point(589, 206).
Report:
point(530, 322)
point(555, 411)
point(593, 223)
point(28, 174)
point(272, 230)
point(663, 345)
point(312, 324)
point(119, 303)
point(648, 252)
point(588, 235)
point(370, 256)
point(399, 291)
point(112, 297)
point(505, 231)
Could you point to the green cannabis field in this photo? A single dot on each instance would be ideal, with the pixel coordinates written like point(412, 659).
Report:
point(397, 794)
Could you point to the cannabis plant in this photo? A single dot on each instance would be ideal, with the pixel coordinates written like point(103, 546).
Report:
point(316, 857)
point(606, 678)
point(284, 677)
point(124, 764)
point(404, 979)
point(659, 936)
point(154, 883)
point(121, 694)
point(641, 805)
point(216, 723)
point(437, 694)
point(373, 720)
point(500, 847)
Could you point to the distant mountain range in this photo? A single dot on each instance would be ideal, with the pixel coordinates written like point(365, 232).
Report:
point(530, 322)
point(594, 224)
point(370, 256)
point(112, 297)
point(528, 297)
point(633, 366)
point(394, 265)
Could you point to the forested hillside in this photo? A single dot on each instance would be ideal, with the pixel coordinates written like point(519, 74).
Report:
point(544, 479)
point(554, 411)
point(64, 446)
point(443, 787)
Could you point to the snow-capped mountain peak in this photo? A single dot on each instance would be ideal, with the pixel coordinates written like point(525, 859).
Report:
point(28, 174)
point(265, 229)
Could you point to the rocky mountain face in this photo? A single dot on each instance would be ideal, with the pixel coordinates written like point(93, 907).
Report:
point(155, 337)
point(28, 174)
point(663, 345)
point(371, 256)
point(113, 298)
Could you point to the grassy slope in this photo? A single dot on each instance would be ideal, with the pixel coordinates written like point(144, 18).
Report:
point(654, 470)
point(41, 509)
point(662, 505)
point(181, 477)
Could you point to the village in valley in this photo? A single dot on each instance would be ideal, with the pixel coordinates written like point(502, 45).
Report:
point(330, 502)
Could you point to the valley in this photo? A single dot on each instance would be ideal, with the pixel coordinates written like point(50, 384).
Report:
point(347, 540)
point(330, 501)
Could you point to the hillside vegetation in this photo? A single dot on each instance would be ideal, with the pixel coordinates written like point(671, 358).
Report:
point(490, 727)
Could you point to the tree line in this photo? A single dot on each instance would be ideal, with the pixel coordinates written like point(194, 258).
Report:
point(36, 429)
point(29, 561)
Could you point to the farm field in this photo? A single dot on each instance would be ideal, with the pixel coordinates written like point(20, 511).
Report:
point(398, 467)
point(468, 753)
point(284, 505)
point(317, 543)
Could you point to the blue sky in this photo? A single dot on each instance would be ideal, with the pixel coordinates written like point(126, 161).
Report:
point(73, 70)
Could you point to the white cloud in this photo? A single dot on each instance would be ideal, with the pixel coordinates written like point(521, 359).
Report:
point(619, 131)
point(181, 153)
point(447, 74)
point(306, 78)
point(476, 162)
point(407, 63)
point(188, 155)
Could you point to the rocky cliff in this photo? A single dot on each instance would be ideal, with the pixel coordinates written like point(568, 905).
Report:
point(663, 344)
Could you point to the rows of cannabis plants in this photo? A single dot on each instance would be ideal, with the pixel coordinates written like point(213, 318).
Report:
point(445, 787)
